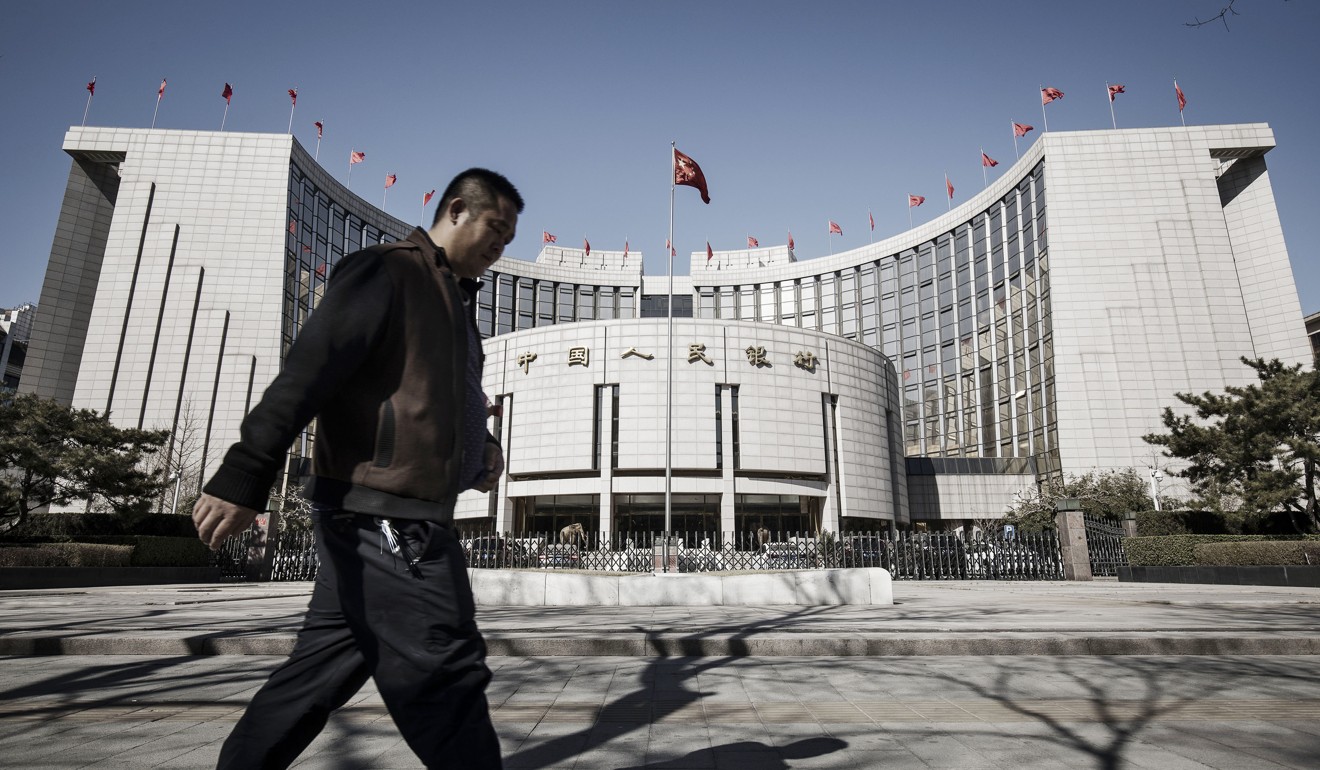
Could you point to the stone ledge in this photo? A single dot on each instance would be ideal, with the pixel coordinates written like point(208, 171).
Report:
point(813, 588)
point(27, 578)
point(1307, 576)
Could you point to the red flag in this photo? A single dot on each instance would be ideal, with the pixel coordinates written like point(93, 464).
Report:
point(320, 269)
point(672, 251)
point(872, 218)
point(1020, 129)
point(625, 249)
point(356, 157)
point(687, 172)
point(988, 161)
point(293, 95)
point(307, 249)
point(161, 92)
point(319, 128)
point(949, 186)
point(427, 197)
point(1182, 100)
point(227, 93)
point(293, 225)
point(1048, 95)
point(709, 253)
point(546, 237)
point(790, 240)
point(586, 244)
point(752, 243)
point(390, 179)
point(91, 86)
point(1114, 90)
point(915, 200)
point(834, 227)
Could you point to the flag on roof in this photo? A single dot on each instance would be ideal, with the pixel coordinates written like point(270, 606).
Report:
point(988, 161)
point(1115, 90)
point(227, 93)
point(356, 156)
point(752, 243)
point(546, 237)
point(834, 227)
point(1048, 95)
point(915, 200)
point(1021, 129)
point(390, 179)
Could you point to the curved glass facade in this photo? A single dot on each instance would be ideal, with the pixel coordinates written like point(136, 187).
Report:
point(965, 316)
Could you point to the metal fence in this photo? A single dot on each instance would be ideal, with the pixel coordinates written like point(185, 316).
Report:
point(1104, 544)
point(907, 555)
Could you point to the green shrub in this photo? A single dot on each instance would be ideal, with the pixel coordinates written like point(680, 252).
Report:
point(169, 552)
point(1155, 523)
point(79, 526)
point(1261, 553)
point(66, 555)
point(1173, 550)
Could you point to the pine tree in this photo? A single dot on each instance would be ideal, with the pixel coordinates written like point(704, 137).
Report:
point(1262, 441)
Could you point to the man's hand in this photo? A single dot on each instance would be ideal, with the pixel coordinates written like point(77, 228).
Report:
point(494, 467)
point(217, 519)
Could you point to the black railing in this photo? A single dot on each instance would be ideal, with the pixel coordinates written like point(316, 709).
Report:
point(1105, 545)
point(907, 555)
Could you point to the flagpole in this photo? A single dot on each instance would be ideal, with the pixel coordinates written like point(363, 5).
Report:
point(669, 356)
point(317, 156)
point(1013, 129)
point(350, 168)
point(909, 203)
point(870, 219)
point(157, 110)
point(91, 93)
point(292, 107)
point(384, 197)
point(829, 237)
point(1175, 90)
point(225, 116)
point(948, 196)
point(1043, 116)
point(985, 180)
point(1112, 120)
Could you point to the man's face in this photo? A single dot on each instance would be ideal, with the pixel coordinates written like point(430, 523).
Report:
point(478, 240)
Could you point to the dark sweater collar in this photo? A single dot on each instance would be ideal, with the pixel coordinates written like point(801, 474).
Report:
point(437, 255)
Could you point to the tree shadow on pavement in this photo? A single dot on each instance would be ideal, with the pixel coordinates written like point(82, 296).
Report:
point(640, 708)
point(1106, 703)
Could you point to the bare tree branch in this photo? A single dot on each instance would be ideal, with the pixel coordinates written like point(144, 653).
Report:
point(1221, 16)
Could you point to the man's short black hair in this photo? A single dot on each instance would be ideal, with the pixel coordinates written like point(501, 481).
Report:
point(479, 188)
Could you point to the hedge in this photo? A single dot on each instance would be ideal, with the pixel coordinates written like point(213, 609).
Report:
point(66, 555)
point(1259, 554)
point(1180, 550)
point(1174, 550)
point(1184, 522)
point(78, 526)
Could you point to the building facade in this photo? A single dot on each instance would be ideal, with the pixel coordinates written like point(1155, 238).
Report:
point(1035, 330)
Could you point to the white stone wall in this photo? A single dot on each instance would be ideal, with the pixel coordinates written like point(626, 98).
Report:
point(1156, 287)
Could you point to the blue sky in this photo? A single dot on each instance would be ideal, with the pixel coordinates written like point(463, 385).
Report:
point(799, 112)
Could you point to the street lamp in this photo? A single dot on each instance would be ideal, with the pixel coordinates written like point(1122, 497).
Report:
point(176, 478)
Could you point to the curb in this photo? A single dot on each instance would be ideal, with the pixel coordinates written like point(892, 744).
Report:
point(762, 646)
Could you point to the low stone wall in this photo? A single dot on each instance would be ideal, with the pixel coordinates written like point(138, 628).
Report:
point(15, 578)
point(1295, 576)
point(524, 588)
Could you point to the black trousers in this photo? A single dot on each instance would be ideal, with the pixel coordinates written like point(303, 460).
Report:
point(406, 620)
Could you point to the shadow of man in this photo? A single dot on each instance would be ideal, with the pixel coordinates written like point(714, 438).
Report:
point(749, 755)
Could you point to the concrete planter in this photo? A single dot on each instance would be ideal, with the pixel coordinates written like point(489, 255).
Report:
point(1294, 576)
point(14, 578)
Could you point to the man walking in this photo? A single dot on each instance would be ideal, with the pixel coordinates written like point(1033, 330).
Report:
point(389, 364)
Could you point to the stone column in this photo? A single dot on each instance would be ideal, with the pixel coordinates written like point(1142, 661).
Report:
point(1072, 539)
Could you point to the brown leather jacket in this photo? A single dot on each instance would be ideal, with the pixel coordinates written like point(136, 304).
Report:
point(380, 364)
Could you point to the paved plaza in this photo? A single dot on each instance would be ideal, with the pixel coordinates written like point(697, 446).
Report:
point(1237, 686)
